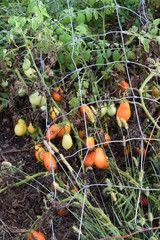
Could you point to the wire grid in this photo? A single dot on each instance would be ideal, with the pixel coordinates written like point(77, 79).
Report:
point(77, 70)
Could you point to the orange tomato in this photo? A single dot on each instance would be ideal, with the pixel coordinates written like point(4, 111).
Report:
point(36, 235)
point(39, 152)
point(124, 86)
point(89, 160)
point(52, 132)
point(49, 161)
point(90, 143)
point(81, 133)
point(64, 130)
point(88, 111)
point(57, 94)
point(126, 151)
point(63, 212)
point(124, 110)
point(100, 158)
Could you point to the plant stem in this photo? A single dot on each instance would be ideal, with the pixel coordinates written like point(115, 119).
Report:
point(141, 89)
point(27, 179)
point(20, 77)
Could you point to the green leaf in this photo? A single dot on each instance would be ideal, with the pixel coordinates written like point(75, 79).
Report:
point(109, 53)
point(80, 18)
point(11, 21)
point(43, 9)
point(145, 43)
point(116, 55)
point(35, 23)
point(95, 13)
point(4, 95)
point(65, 38)
point(85, 84)
point(130, 55)
point(22, 21)
point(88, 14)
point(154, 31)
point(108, 11)
point(5, 2)
point(92, 2)
point(156, 22)
point(158, 39)
point(82, 29)
point(100, 61)
point(74, 102)
point(87, 55)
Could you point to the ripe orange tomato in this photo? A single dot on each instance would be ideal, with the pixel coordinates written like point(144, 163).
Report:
point(57, 94)
point(124, 111)
point(100, 158)
point(90, 143)
point(88, 111)
point(49, 161)
point(63, 130)
point(89, 160)
point(36, 235)
point(124, 86)
point(52, 132)
point(39, 151)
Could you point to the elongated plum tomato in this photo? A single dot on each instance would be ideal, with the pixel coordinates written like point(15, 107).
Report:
point(63, 130)
point(88, 112)
point(39, 152)
point(20, 128)
point(36, 235)
point(89, 160)
point(49, 161)
point(124, 110)
point(124, 86)
point(57, 94)
point(100, 158)
point(52, 132)
point(67, 141)
point(90, 143)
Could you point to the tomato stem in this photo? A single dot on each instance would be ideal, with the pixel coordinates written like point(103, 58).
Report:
point(141, 89)
point(27, 179)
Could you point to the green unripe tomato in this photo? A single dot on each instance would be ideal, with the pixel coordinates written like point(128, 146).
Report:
point(21, 92)
point(4, 84)
point(30, 73)
point(26, 64)
point(104, 110)
point(111, 110)
point(36, 99)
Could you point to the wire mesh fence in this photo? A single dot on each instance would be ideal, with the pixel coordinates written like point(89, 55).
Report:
point(123, 187)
